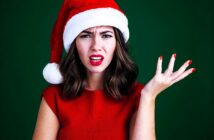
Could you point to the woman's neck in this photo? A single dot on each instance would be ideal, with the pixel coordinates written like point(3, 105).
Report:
point(94, 81)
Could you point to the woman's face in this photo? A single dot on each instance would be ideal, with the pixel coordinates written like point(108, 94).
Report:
point(96, 48)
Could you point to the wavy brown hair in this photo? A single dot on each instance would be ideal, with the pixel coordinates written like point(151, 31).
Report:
point(118, 78)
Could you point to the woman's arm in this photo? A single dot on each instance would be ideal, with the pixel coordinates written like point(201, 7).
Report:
point(143, 121)
point(47, 124)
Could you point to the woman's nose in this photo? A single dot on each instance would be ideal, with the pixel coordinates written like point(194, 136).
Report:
point(96, 44)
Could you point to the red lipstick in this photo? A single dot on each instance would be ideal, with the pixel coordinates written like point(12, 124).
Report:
point(96, 60)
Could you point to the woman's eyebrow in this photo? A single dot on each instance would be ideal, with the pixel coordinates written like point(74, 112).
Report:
point(103, 32)
point(88, 32)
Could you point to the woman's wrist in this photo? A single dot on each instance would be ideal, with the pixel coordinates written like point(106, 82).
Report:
point(148, 97)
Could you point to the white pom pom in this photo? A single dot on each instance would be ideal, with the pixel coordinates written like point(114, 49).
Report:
point(52, 74)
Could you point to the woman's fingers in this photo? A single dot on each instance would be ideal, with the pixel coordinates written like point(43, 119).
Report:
point(171, 76)
point(181, 69)
point(171, 65)
point(159, 65)
point(183, 75)
point(161, 81)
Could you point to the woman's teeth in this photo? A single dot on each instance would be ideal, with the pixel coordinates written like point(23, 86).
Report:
point(96, 58)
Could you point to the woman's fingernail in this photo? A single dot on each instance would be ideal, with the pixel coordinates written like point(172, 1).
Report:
point(174, 55)
point(161, 57)
point(190, 62)
point(193, 70)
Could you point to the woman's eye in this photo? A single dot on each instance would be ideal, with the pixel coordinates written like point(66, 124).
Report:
point(85, 36)
point(106, 36)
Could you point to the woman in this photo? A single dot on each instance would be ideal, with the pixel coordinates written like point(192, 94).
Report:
point(98, 96)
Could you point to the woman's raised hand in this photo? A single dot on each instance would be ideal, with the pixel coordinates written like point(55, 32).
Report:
point(161, 81)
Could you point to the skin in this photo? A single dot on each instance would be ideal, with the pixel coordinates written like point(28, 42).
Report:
point(143, 121)
point(47, 124)
point(97, 40)
point(101, 40)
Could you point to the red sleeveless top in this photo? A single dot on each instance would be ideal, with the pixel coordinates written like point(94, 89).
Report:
point(93, 115)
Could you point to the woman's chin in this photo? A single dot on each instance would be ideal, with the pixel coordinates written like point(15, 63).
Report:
point(96, 70)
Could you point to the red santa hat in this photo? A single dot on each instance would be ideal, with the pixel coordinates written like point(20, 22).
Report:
point(74, 17)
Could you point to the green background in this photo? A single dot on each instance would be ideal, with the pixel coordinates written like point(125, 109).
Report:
point(185, 111)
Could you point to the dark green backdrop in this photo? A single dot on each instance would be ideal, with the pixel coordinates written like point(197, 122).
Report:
point(158, 27)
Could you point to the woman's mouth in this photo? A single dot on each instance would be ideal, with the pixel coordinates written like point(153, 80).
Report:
point(96, 60)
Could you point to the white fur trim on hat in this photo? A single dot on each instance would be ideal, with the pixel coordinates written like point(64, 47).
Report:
point(52, 74)
point(92, 18)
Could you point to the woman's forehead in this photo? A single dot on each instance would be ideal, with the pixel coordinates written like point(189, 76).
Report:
point(100, 29)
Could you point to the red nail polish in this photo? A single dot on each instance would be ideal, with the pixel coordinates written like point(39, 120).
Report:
point(193, 70)
point(174, 55)
point(160, 57)
point(190, 62)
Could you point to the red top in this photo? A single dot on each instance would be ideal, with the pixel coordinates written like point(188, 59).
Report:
point(94, 115)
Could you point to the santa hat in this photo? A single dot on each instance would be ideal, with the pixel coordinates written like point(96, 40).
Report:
point(74, 17)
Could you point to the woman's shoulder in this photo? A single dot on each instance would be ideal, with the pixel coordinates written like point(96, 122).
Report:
point(52, 90)
point(135, 89)
point(137, 86)
point(51, 94)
